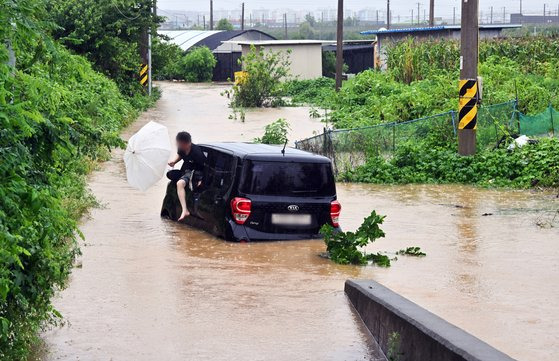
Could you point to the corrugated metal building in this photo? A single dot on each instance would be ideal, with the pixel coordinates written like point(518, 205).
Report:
point(220, 43)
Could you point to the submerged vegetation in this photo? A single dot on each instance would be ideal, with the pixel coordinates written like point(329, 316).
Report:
point(345, 247)
point(275, 133)
point(261, 85)
point(58, 115)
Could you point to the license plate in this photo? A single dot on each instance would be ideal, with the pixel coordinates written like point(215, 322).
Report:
point(292, 219)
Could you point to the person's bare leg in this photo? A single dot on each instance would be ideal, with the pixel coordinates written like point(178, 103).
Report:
point(181, 193)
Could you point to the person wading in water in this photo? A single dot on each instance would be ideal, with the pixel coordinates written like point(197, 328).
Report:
point(194, 161)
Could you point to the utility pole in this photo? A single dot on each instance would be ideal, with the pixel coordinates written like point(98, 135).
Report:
point(387, 14)
point(211, 15)
point(505, 14)
point(285, 25)
point(491, 21)
point(418, 19)
point(243, 16)
point(204, 17)
point(340, 45)
point(153, 14)
point(412, 16)
point(544, 13)
point(454, 15)
point(432, 13)
point(469, 53)
point(377, 18)
point(520, 7)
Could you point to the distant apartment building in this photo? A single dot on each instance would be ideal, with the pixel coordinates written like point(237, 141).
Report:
point(534, 19)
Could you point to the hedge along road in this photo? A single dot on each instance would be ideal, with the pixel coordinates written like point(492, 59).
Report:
point(152, 289)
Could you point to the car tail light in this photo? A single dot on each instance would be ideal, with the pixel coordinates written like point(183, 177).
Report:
point(240, 208)
point(335, 209)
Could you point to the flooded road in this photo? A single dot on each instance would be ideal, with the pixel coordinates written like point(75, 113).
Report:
point(151, 289)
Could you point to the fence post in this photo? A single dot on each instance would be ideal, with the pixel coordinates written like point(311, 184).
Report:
point(453, 116)
point(517, 112)
point(551, 117)
point(393, 137)
point(325, 141)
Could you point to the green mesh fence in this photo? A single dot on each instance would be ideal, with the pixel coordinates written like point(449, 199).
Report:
point(495, 122)
point(545, 123)
point(351, 147)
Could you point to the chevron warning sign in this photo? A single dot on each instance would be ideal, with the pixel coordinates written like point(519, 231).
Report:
point(144, 74)
point(468, 104)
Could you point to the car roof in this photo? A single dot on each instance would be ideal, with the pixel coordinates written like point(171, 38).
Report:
point(266, 152)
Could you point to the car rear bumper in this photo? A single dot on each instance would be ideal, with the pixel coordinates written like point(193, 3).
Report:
point(243, 233)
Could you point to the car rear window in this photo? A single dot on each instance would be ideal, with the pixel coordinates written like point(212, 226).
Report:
point(292, 179)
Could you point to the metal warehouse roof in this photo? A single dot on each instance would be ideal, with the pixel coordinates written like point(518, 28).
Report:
point(437, 28)
point(277, 42)
point(187, 39)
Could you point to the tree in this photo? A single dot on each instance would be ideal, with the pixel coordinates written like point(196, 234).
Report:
point(224, 24)
point(262, 85)
point(311, 20)
point(329, 64)
point(107, 32)
point(198, 65)
point(306, 31)
point(165, 60)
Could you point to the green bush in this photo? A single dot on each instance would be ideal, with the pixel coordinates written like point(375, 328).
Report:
point(314, 91)
point(166, 59)
point(262, 86)
point(421, 162)
point(345, 247)
point(275, 133)
point(198, 65)
point(422, 80)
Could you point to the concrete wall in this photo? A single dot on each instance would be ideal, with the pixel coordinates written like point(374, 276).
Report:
point(423, 335)
point(306, 59)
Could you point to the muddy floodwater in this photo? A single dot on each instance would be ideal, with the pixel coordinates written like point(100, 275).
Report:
point(151, 289)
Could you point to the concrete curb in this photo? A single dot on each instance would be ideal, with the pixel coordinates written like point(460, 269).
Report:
point(423, 335)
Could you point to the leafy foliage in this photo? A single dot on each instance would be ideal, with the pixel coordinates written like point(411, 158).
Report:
point(262, 85)
point(198, 65)
point(344, 247)
point(315, 91)
point(329, 64)
point(275, 133)
point(411, 251)
point(166, 59)
point(57, 116)
point(224, 24)
point(107, 32)
point(422, 80)
point(421, 162)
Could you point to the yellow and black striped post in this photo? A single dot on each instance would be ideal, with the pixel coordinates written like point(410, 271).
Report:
point(468, 104)
point(144, 75)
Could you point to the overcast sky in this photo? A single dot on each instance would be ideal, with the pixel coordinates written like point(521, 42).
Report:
point(442, 8)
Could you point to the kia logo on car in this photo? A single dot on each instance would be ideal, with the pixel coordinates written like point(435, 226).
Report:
point(293, 208)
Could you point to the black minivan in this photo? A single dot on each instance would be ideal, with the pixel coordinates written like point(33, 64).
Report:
point(257, 192)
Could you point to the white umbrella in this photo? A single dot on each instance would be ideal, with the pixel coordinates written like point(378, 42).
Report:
point(146, 156)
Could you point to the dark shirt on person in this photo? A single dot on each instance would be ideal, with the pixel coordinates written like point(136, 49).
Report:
point(195, 160)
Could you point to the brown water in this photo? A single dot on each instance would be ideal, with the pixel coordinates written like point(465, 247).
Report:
point(151, 289)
